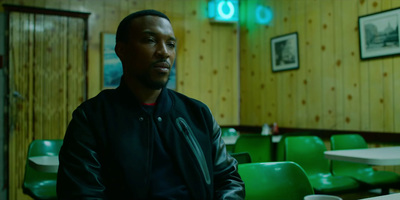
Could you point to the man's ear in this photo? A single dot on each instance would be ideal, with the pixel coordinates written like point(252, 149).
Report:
point(120, 50)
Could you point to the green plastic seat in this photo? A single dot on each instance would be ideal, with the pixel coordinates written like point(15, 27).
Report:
point(226, 131)
point(39, 184)
point(242, 157)
point(280, 147)
point(258, 146)
point(275, 180)
point(308, 152)
point(363, 173)
point(229, 132)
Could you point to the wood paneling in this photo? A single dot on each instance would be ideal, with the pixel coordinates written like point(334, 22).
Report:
point(333, 89)
point(47, 78)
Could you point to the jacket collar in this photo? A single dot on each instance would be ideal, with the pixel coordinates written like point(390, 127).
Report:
point(163, 103)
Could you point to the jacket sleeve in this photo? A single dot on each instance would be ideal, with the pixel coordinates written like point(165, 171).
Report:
point(227, 181)
point(79, 170)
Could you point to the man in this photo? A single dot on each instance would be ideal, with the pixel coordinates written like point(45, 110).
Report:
point(141, 140)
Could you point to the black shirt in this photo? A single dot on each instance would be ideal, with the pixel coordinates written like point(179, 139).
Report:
point(166, 180)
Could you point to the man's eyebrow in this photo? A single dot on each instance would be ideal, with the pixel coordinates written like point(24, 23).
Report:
point(154, 34)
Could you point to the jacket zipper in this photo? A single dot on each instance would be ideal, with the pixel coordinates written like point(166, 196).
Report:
point(195, 146)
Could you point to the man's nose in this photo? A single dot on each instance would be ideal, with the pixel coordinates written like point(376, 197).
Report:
point(162, 51)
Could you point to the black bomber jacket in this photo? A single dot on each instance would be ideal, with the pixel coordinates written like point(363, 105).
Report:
point(108, 147)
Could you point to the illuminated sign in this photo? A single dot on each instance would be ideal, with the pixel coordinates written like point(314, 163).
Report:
point(226, 11)
point(263, 14)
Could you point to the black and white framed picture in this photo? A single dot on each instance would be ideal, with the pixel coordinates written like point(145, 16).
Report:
point(285, 52)
point(379, 34)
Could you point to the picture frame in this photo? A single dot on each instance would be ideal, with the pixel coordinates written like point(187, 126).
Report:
point(379, 34)
point(111, 69)
point(285, 52)
point(111, 65)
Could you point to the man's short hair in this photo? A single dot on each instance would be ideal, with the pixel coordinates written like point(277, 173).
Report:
point(124, 25)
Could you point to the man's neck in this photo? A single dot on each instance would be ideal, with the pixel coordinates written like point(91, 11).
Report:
point(142, 93)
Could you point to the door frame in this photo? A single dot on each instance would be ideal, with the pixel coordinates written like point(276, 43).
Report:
point(33, 10)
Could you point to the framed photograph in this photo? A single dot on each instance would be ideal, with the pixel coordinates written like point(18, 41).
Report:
point(379, 34)
point(112, 66)
point(172, 77)
point(285, 52)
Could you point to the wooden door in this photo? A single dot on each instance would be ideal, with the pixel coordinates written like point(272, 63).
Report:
point(47, 80)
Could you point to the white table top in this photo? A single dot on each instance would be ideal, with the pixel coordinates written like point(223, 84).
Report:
point(395, 196)
point(370, 156)
point(44, 163)
point(230, 140)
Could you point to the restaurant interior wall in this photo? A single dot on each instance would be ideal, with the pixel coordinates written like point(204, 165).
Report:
point(333, 89)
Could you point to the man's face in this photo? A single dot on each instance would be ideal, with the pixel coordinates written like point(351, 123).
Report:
point(150, 52)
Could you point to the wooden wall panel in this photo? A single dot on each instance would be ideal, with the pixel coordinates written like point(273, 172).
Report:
point(364, 83)
point(301, 85)
point(376, 80)
point(351, 73)
point(334, 88)
point(387, 81)
point(328, 62)
point(314, 65)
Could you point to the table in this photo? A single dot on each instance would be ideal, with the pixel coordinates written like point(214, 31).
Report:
point(44, 163)
point(231, 140)
point(370, 156)
point(395, 196)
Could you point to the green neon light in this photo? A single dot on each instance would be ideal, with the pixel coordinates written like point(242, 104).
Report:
point(263, 14)
point(222, 13)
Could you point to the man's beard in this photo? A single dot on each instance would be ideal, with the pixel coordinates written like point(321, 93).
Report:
point(151, 84)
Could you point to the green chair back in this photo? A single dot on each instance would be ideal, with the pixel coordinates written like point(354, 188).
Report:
point(242, 157)
point(275, 180)
point(348, 141)
point(226, 131)
point(229, 132)
point(258, 146)
point(361, 172)
point(308, 152)
point(280, 147)
point(38, 184)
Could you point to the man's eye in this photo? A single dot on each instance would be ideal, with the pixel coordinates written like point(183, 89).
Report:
point(149, 40)
point(171, 45)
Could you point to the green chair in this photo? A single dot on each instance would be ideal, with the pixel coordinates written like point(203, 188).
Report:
point(308, 152)
point(226, 131)
point(229, 132)
point(242, 157)
point(40, 184)
point(365, 174)
point(258, 146)
point(280, 147)
point(275, 180)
